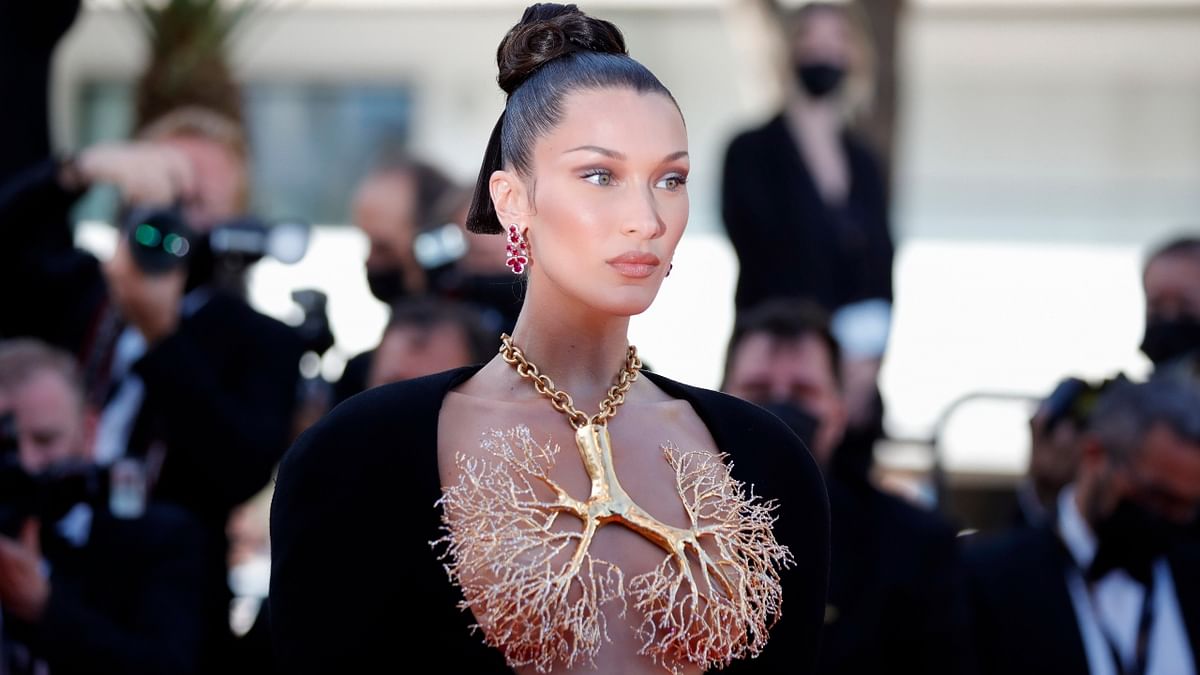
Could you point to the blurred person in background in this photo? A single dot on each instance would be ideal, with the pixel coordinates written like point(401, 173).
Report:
point(190, 379)
point(84, 590)
point(1112, 584)
point(429, 336)
point(391, 206)
point(1171, 280)
point(413, 217)
point(805, 205)
point(892, 594)
point(1056, 445)
point(193, 385)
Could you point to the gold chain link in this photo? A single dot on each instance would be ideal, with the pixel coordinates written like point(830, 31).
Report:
point(561, 400)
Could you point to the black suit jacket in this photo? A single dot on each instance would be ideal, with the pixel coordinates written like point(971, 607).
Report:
point(894, 587)
point(353, 517)
point(130, 601)
point(1021, 616)
point(219, 393)
point(789, 243)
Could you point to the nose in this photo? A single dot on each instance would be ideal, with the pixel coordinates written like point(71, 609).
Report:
point(642, 220)
point(781, 390)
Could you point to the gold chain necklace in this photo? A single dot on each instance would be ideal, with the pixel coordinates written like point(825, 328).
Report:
point(561, 400)
point(713, 598)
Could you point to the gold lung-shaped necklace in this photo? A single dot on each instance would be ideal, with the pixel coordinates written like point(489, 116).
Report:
point(537, 591)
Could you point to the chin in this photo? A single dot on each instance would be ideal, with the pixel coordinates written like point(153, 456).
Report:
point(625, 300)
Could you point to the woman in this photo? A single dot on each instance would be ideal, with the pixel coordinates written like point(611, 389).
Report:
point(629, 551)
point(805, 205)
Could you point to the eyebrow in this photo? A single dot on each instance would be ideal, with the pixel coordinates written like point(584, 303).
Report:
point(620, 156)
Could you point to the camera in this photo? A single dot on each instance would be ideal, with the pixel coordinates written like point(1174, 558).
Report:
point(439, 246)
point(51, 494)
point(48, 495)
point(314, 330)
point(161, 239)
point(1072, 401)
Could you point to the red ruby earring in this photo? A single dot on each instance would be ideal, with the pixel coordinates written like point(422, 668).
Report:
point(517, 250)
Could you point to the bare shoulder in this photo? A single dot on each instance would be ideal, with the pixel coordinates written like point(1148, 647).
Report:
point(670, 413)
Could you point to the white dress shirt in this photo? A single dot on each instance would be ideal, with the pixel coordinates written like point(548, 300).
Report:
point(1112, 607)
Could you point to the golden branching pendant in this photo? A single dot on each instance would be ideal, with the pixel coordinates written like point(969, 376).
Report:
point(538, 592)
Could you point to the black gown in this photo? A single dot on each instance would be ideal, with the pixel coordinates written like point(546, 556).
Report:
point(355, 582)
point(789, 242)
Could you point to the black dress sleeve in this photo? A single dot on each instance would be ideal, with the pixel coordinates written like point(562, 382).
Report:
point(330, 609)
point(355, 582)
point(770, 457)
point(771, 460)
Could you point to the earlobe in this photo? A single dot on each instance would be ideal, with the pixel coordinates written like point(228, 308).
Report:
point(508, 196)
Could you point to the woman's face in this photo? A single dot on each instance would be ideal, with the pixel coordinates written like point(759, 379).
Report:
point(607, 199)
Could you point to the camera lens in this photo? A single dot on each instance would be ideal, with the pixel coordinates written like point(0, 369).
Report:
point(159, 239)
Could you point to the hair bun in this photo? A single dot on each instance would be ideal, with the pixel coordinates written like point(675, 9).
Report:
point(546, 32)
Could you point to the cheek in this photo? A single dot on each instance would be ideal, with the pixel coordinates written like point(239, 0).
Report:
point(675, 214)
point(570, 219)
point(220, 193)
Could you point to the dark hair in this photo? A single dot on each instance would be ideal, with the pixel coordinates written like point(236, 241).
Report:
point(552, 51)
point(788, 320)
point(1180, 247)
point(1126, 411)
point(425, 314)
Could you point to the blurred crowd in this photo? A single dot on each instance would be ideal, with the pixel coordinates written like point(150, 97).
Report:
point(144, 403)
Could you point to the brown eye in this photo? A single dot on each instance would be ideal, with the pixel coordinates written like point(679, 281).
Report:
point(672, 182)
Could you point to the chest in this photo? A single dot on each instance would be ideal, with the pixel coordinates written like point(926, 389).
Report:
point(632, 537)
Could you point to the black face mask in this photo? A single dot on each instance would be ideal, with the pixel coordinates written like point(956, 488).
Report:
point(802, 422)
point(1131, 538)
point(819, 79)
point(387, 284)
point(1168, 339)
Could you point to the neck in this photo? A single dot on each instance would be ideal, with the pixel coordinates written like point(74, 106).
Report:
point(579, 348)
point(807, 112)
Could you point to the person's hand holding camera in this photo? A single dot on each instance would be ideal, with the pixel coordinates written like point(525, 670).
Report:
point(145, 173)
point(24, 588)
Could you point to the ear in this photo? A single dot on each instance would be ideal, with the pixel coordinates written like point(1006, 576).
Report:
point(509, 197)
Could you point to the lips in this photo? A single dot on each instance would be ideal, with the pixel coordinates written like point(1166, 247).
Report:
point(635, 264)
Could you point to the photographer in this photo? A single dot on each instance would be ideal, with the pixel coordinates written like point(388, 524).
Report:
point(190, 379)
point(82, 590)
point(412, 216)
